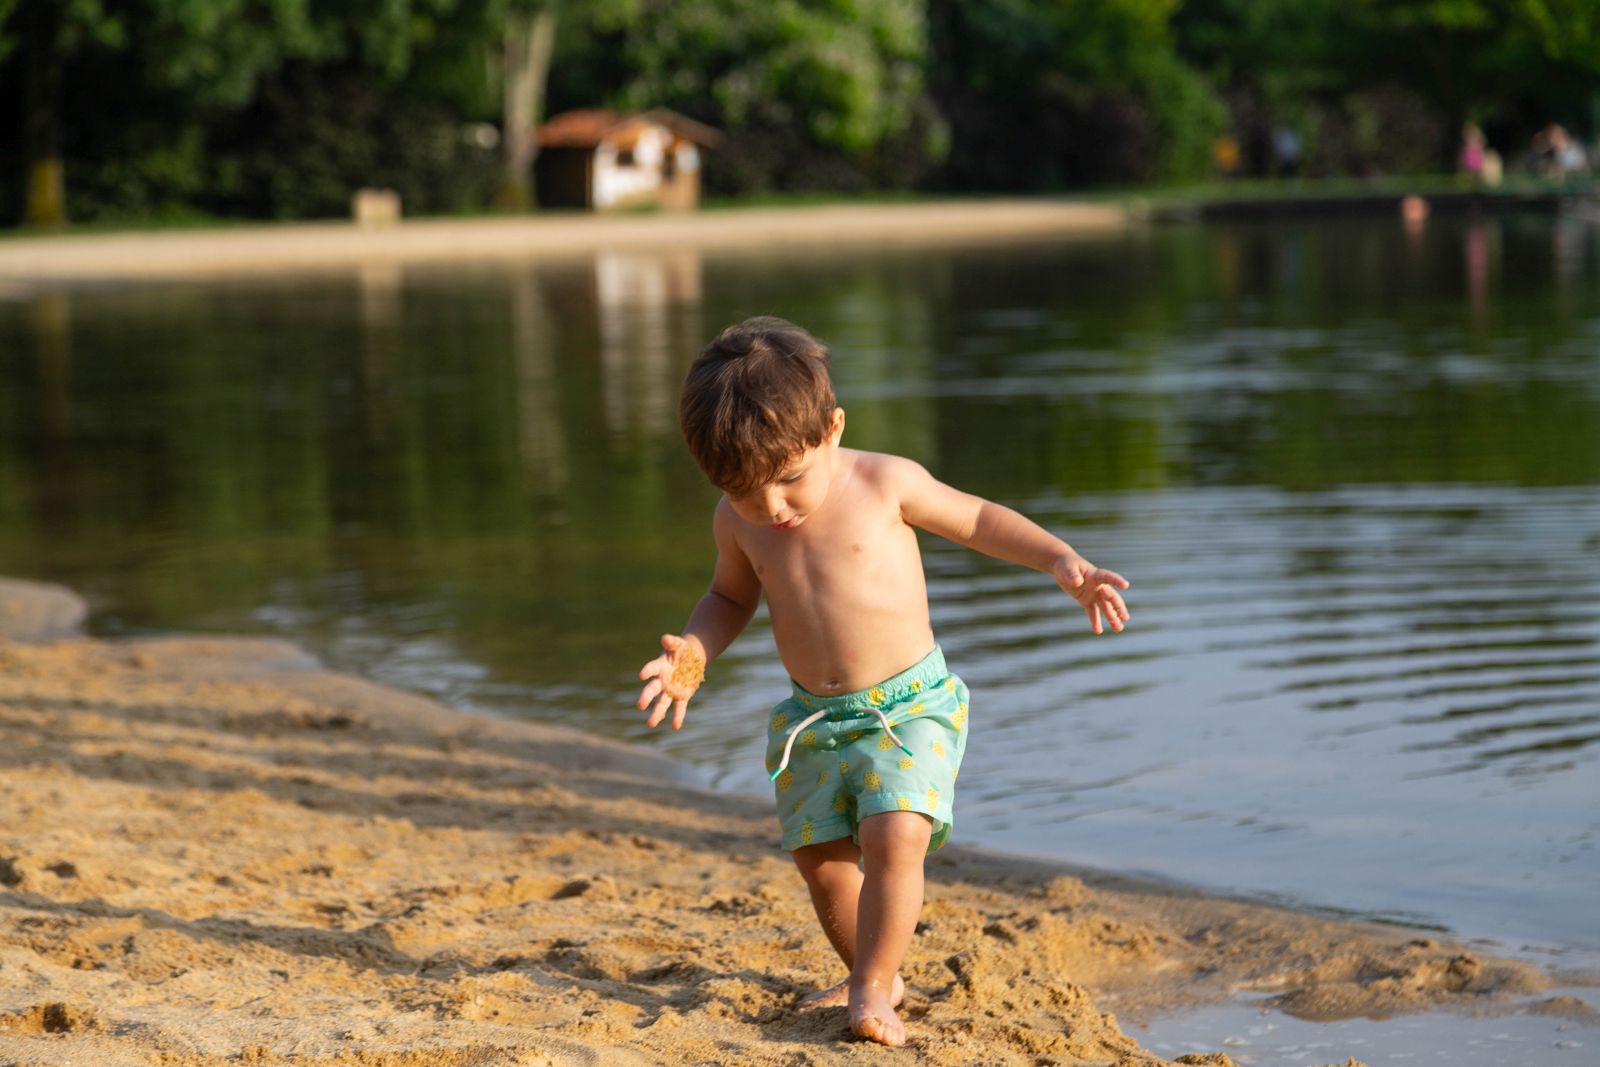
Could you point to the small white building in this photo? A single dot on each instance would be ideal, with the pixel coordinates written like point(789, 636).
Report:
point(601, 160)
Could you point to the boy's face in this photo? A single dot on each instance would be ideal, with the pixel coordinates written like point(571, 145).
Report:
point(800, 488)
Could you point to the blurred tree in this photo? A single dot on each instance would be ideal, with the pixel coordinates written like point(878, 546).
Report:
point(1527, 61)
point(205, 52)
point(530, 36)
point(133, 108)
point(525, 33)
point(1291, 49)
point(491, 58)
point(823, 93)
point(155, 72)
point(317, 132)
point(1370, 76)
point(40, 30)
point(1046, 93)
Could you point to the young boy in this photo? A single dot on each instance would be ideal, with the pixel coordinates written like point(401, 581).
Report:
point(865, 751)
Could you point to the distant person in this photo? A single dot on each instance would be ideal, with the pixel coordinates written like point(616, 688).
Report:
point(1570, 158)
point(1473, 146)
point(1477, 160)
point(1225, 155)
point(1556, 154)
point(1540, 152)
point(864, 752)
point(1286, 148)
point(1493, 169)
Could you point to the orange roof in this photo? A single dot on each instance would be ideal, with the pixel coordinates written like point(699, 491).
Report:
point(587, 127)
point(578, 129)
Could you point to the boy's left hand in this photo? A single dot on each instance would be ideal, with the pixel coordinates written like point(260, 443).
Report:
point(1095, 588)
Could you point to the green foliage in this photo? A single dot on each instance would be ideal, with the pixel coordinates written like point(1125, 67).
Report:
point(151, 87)
point(315, 136)
point(1187, 114)
point(822, 93)
point(177, 105)
point(1047, 95)
point(1370, 76)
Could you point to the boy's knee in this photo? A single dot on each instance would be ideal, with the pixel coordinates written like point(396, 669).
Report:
point(896, 835)
point(820, 864)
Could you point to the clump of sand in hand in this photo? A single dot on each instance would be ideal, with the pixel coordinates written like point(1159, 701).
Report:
point(688, 670)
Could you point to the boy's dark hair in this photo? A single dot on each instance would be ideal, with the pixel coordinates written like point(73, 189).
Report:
point(756, 397)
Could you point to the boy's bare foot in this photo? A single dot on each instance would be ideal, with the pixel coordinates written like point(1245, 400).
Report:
point(839, 996)
point(872, 1017)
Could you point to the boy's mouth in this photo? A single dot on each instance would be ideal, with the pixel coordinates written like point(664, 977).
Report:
point(787, 524)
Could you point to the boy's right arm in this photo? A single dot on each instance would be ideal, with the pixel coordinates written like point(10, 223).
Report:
point(722, 614)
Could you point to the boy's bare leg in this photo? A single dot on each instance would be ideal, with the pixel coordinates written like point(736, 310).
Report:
point(833, 875)
point(894, 845)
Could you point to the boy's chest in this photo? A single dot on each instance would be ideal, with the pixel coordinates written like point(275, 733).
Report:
point(852, 548)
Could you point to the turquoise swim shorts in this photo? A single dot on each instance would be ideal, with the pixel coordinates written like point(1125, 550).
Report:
point(893, 747)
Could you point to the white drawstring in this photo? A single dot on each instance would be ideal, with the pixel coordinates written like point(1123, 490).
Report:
point(788, 745)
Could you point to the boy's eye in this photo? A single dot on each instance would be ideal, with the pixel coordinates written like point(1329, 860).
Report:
point(794, 478)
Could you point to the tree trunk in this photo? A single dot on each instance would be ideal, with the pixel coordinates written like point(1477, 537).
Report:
point(45, 201)
point(529, 41)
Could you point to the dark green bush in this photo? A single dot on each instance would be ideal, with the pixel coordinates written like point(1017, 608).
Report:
point(314, 136)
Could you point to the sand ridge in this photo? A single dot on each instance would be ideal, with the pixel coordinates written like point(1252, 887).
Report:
point(30, 264)
point(214, 852)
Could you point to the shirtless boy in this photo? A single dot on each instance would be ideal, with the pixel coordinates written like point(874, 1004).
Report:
point(865, 751)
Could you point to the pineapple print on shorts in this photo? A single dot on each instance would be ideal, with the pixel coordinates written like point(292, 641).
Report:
point(894, 747)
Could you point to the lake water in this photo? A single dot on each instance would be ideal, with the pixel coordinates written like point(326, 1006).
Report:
point(1351, 469)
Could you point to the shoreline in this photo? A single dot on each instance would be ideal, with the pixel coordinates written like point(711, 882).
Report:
point(216, 851)
point(28, 264)
point(33, 263)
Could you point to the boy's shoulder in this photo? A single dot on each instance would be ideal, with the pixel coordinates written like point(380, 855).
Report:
point(887, 475)
point(883, 467)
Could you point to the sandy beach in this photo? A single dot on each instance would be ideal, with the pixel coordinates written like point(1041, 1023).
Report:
point(212, 851)
point(31, 263)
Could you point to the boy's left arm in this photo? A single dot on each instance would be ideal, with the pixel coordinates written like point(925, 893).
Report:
point(996, 530)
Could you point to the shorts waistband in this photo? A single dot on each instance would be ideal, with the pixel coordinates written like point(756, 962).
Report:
point(923, 675)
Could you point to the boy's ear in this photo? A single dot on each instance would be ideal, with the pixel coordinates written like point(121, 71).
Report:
point(837, 429)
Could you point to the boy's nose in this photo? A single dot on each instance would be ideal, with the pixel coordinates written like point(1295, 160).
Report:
point(774, 503)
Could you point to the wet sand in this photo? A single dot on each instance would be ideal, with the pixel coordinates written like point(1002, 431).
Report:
point(212, 851)
point(31, 263)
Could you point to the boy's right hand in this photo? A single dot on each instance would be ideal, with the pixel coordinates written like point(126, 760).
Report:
point(672, 678)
